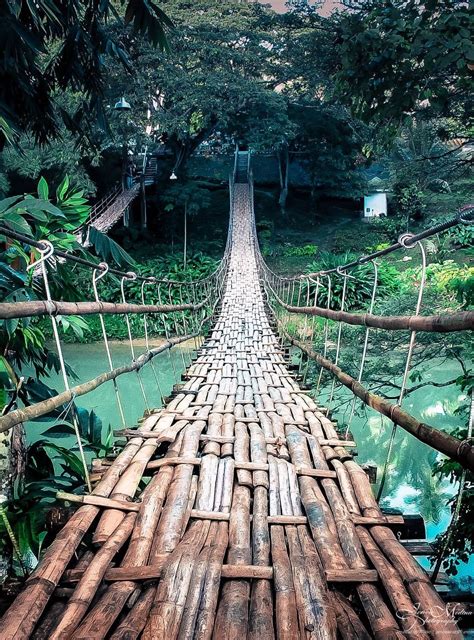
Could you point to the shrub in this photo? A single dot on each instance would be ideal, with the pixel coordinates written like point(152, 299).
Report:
point(359, 285)
point(306, 250)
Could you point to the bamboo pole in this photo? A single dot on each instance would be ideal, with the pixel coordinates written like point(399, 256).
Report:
point(91, 579)
point(415, 578)
point(395, 589)
point(34, 308)
point(231, 622)
point(458, 321)
point(46, 406)
point(22, 616)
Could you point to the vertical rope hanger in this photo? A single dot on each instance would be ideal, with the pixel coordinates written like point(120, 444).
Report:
point(131, 275)
point(366, 344)
point(47, 253)
point(404, 240)
point(175, 322)
point(195, 319)
point(313, 321)
point(345, 277)
point(168, 351)
point(185, 323)
point(150, 280)
point(95, 279)
point(326, 330)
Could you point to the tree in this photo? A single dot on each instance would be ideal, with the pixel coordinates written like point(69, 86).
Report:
point(407, 58)
point(217, 78)
point(28, 478)
point(190, 198)
point(50, 46)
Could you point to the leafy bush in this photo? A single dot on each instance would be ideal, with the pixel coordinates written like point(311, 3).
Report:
point(305, 250)
point(358, 286)
point(409, 200)
point(448, 277)
point(165, 267)
point(461, 236)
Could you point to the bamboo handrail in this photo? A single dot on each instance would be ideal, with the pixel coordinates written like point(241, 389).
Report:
point(9, 310)
point(46, 406)
point(459, 450)
point(460, 321)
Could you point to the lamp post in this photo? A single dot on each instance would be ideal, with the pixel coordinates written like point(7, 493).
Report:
point(122, 106)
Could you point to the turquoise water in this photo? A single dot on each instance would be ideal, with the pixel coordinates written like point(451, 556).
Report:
point(410, 485)
point(89, 360)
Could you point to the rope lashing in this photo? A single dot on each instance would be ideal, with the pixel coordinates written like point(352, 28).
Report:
point(406, 241)
point(46, 252)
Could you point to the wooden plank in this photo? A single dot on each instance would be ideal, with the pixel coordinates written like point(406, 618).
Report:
point(229, 571)
point(352, 575)
point(135, 574)
point(418, 547)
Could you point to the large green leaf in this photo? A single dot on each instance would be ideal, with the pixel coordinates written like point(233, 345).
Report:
point(43, 189)
point(108, 249)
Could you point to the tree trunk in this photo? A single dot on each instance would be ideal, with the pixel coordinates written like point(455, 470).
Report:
point(12, 468)
point(185, 247)
point(284, 170)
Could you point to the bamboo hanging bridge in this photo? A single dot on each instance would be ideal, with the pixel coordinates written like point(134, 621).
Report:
point(236, 510)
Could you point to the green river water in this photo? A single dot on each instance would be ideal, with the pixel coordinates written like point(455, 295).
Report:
point(410, 485)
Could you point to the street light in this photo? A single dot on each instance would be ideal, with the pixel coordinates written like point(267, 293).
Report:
point(122, 105)
point(173, 176)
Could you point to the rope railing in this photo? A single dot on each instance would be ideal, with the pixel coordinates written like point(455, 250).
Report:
point(183, 307)
point(289, 298)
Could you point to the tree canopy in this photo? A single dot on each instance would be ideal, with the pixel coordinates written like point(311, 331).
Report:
point(50, 46)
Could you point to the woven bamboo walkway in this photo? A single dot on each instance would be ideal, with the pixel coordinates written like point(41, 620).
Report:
point(255, 524)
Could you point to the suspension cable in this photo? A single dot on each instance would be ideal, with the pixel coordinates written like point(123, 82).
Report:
point(47, 252)
point(41, 246)
point(366, 344)
point(95, 280)
point(406, 241)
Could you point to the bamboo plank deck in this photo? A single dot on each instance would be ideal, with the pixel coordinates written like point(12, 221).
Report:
point(256, 524)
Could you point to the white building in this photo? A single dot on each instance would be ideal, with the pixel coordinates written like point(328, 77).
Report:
point(375, 202)
point(375, 205)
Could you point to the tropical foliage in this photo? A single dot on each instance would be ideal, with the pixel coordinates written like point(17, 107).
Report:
point(54, 46)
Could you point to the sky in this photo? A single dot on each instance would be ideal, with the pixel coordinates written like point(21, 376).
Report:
point(329, 5)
